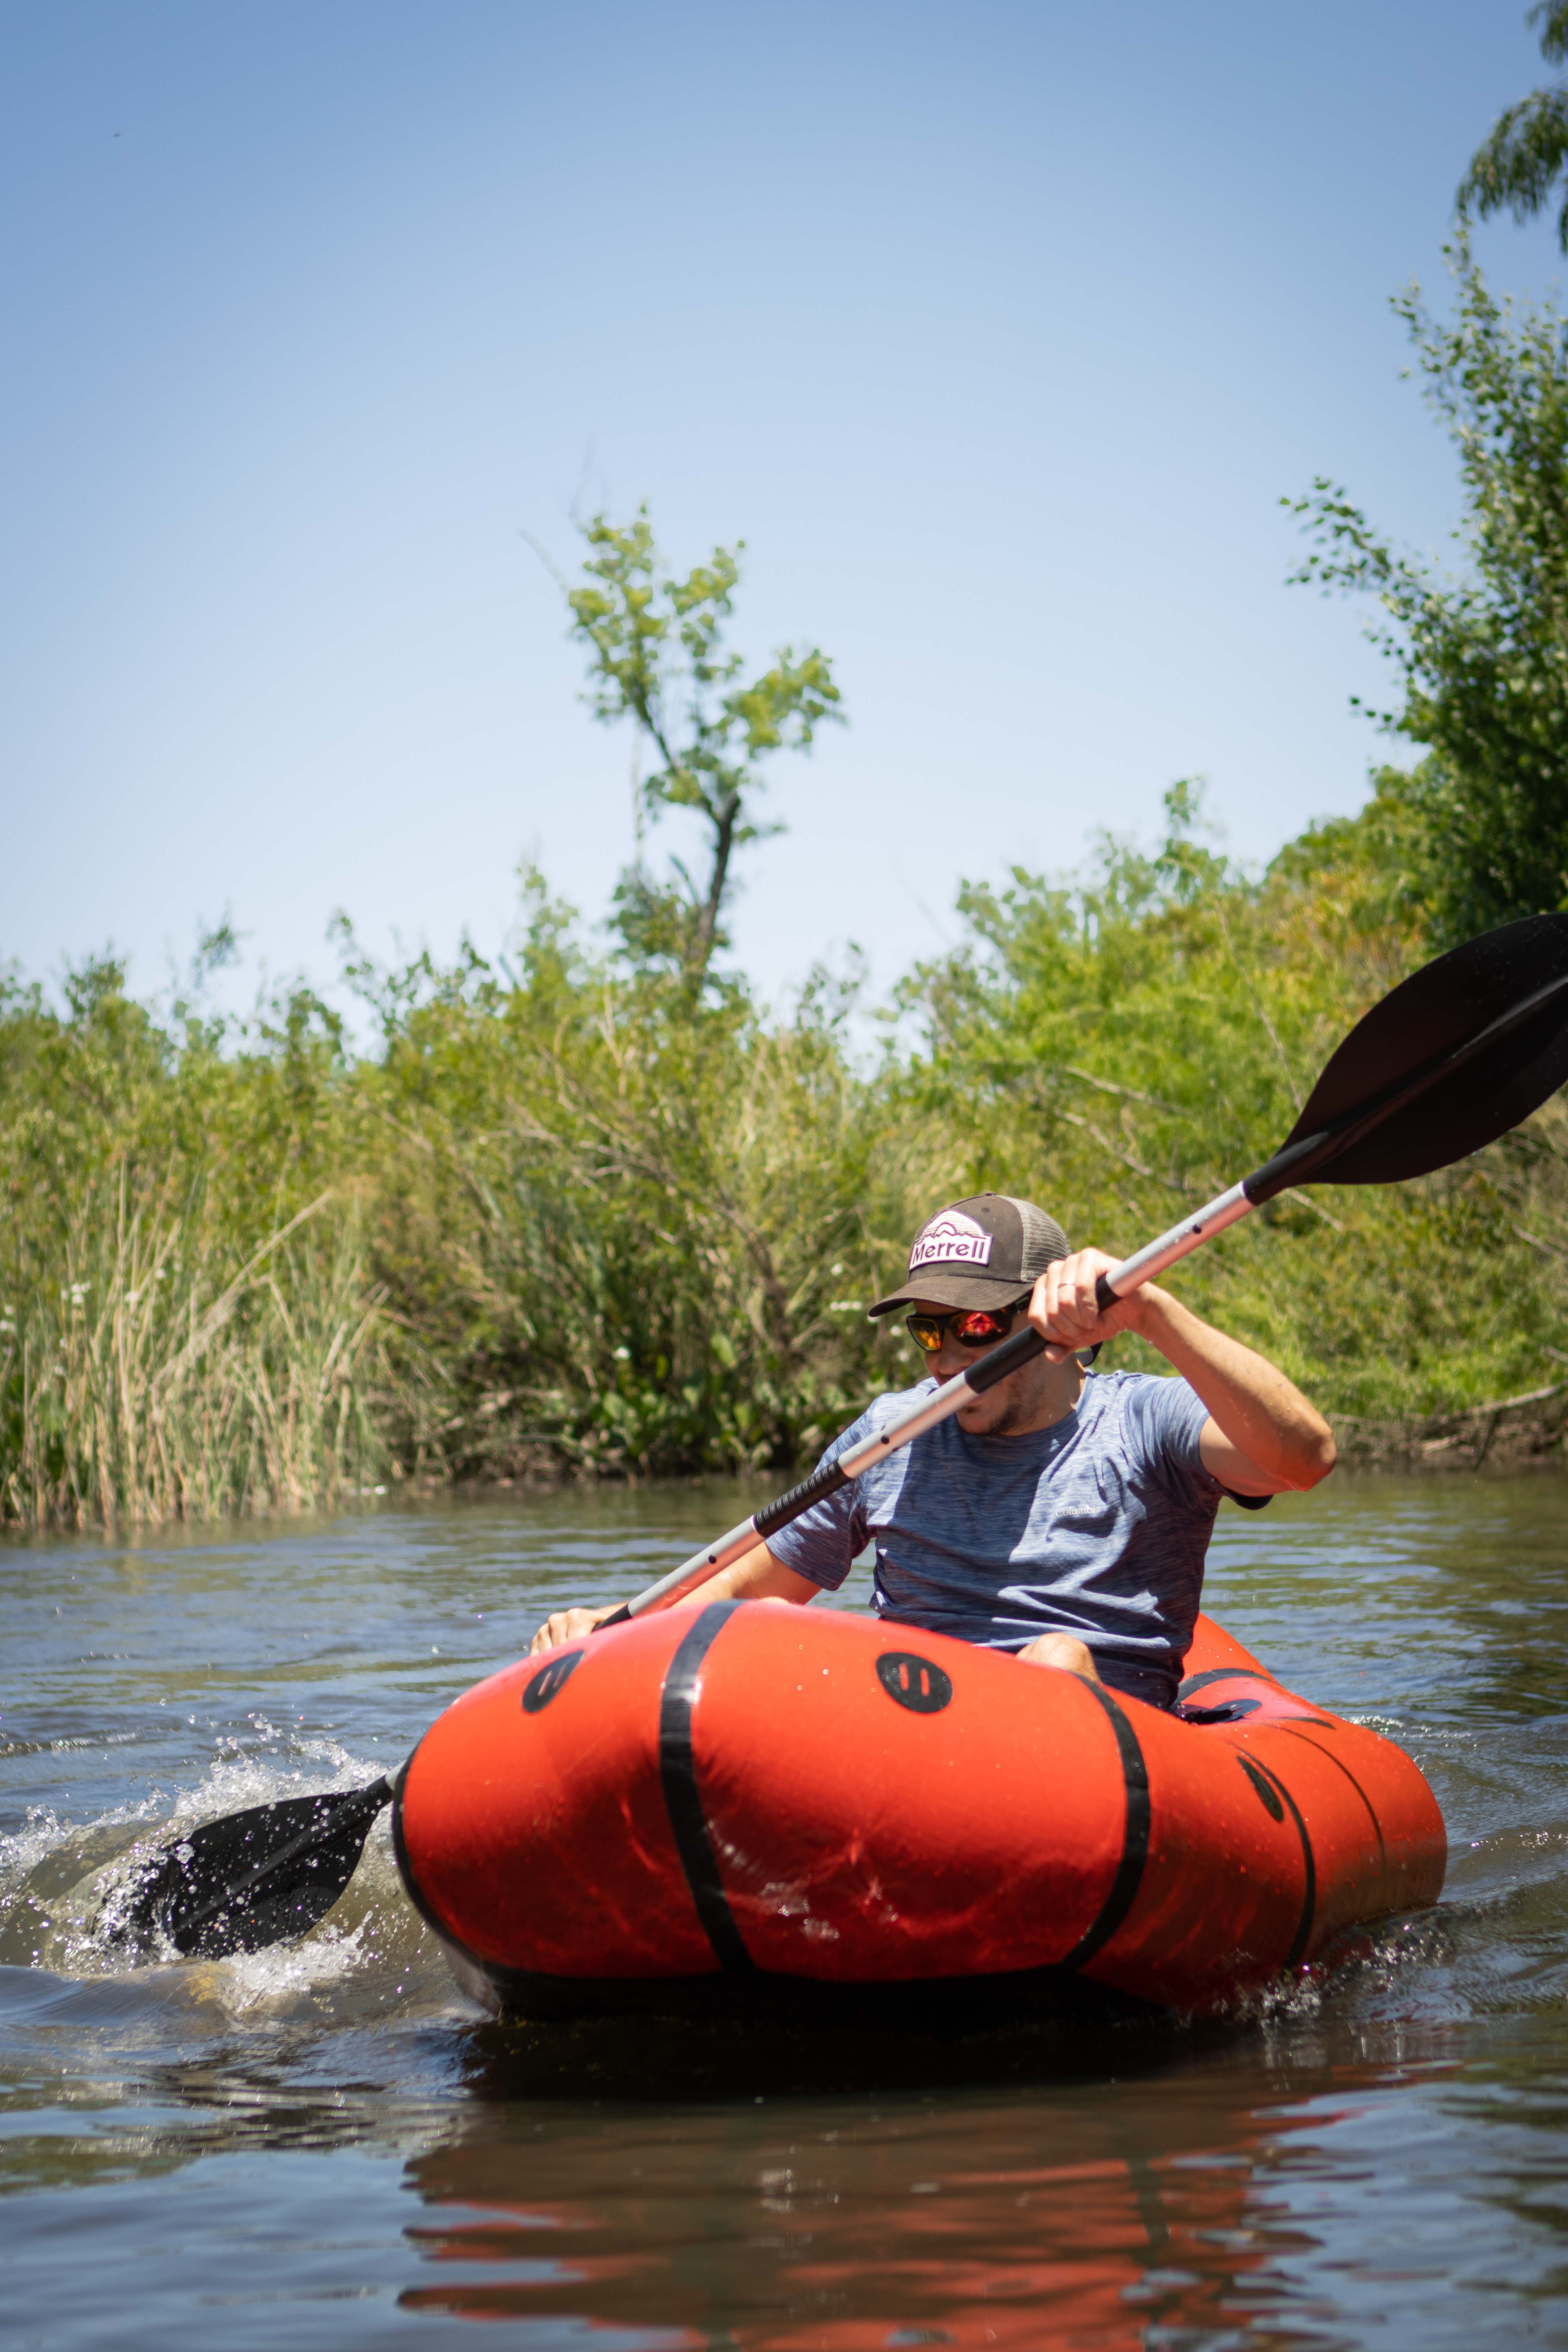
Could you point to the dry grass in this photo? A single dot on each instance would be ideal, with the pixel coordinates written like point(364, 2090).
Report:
point(155, 1383)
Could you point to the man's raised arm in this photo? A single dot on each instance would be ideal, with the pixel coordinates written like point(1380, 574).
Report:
point(1262, 1436)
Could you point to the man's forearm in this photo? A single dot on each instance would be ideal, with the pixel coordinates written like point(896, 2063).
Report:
point(757, 1576)
point(1263, 1414)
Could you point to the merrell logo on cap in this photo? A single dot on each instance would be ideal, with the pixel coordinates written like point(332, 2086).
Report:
point(951, 1239)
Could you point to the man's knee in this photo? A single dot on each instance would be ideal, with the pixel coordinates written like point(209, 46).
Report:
point(1064, 1650)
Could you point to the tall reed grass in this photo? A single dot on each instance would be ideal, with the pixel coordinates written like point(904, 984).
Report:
point(576, 1219)
point(149, 1380)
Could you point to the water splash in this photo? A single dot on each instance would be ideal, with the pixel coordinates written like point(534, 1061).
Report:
point(65, 1887)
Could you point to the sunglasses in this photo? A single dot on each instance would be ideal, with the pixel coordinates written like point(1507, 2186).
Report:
point(971, 1326)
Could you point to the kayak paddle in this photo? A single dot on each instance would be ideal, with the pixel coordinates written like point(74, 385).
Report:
point(254, 1878)
point(1449, 1060)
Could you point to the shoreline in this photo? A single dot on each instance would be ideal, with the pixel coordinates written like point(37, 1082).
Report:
point(1511, 1435)
point(1506, 1437)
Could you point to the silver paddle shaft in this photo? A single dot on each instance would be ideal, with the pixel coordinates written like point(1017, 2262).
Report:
point(1179, 1242)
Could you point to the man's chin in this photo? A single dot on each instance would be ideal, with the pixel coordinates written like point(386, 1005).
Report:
point(977, 1419)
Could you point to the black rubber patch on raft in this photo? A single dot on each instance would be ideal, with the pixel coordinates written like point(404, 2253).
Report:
point(542, 1688)
point(678, 1771)
point(1134, 1840)
point(1268, 1794)
point(914, 1682)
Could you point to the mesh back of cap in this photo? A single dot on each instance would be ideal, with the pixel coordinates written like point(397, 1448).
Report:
point(1043, 1240)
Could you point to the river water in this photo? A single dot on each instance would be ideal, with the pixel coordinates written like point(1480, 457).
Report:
point(327, 2146)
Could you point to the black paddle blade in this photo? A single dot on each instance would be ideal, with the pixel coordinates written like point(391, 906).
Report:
point(256, 1878)
point(1488, 983)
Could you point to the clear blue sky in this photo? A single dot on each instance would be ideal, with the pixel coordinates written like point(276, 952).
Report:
point(998, 332)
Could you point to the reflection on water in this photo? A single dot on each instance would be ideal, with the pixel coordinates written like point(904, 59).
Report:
point(1047, 2217)
point(326, 2143)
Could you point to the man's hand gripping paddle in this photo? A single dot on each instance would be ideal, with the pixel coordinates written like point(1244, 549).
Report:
point(1448, 1061)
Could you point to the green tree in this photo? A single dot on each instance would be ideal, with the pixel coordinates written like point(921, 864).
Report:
point(1120, 1044)
point(1483, 657)
point(1525, 155)
point(657, 655)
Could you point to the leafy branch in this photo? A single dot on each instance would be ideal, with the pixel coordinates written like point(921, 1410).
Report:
point(1525, 153)
point(657, 655)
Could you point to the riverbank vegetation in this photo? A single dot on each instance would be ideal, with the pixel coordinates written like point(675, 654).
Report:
point(590, 1208)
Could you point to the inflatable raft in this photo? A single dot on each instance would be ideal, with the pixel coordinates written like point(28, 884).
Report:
point(745, 1806)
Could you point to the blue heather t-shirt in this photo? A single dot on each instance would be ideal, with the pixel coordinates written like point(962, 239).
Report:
point(1098, 1526)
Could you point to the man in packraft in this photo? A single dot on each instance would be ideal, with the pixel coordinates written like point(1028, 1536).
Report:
point(1063, 1515)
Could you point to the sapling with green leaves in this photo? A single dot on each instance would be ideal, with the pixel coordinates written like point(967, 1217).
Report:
point(658, 656)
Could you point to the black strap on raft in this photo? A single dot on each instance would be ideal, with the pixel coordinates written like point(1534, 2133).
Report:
point(1135, 1836)
point(683, 1796)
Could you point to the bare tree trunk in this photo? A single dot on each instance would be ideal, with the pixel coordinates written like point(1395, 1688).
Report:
point(724, 819)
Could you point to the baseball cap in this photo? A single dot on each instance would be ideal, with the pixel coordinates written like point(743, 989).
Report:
point(981, 1252)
